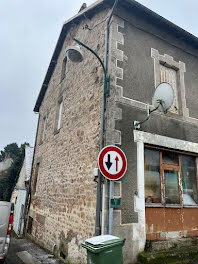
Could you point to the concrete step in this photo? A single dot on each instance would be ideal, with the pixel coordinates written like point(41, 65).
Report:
point(182, 255)
point(171, 243)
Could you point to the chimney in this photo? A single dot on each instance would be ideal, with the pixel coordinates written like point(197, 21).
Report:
point(84, 5)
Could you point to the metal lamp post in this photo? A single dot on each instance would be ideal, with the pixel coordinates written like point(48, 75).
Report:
point(74, 54)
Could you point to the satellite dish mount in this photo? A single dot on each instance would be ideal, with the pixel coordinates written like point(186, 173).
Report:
point(162, 101)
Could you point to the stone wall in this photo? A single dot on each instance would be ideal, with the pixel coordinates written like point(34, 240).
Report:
point(64, 204)
point(131, 65)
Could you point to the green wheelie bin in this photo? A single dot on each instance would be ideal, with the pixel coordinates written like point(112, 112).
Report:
point(105, 249)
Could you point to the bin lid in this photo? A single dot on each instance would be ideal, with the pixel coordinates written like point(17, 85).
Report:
point(103, 240)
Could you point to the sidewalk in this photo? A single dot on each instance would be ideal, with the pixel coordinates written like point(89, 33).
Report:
point(25, 251)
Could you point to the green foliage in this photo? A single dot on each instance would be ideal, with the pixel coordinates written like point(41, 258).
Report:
point(12, 150)
point(9, 180)
point(2, 155)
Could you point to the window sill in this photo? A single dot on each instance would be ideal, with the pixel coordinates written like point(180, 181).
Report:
point(153, 205)
point(173, 206)
point(170, 206)
point(34, 197)
point(57, 131)
point(40, 143)
point(61, 81)
point(163, 206)
point(29, 235)
point(191, 206)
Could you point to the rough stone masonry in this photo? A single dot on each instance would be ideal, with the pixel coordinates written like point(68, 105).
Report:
point(64, 200)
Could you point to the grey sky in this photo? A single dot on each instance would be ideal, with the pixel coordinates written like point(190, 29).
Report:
point(28, 34)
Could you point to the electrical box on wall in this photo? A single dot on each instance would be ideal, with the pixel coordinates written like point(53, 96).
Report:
point(115, 203)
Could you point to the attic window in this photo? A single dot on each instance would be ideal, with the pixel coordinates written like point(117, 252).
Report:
point(35, 178)
point(43, 128)
point(63, 69)
point(166, 69)
point(169, 75)
point(59, 112)
point(60, 115)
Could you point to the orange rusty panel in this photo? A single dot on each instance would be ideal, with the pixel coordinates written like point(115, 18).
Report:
point(150, 236)
point(166, 220)
point(153, 236)
point(190, 216)
point(193, 233)
point(173, 220)
point(155, 219)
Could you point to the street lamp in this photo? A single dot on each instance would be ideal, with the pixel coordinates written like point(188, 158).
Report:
point(75, 54)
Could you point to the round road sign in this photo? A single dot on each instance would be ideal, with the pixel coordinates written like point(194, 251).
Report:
point(112, 163)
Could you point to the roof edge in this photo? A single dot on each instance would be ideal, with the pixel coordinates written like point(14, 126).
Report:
point(163, 19)
point(84, 11)
point(57, 50)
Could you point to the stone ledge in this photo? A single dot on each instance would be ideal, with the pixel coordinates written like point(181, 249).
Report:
point(175, 255)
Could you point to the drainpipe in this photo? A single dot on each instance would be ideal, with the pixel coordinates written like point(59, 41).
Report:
point(98, 205)
point(28, 196)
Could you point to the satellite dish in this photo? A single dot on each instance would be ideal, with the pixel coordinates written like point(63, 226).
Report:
point(162, 101)
point(74, 53)
point(163, 97)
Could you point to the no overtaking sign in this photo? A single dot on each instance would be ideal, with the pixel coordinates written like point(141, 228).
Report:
point(112, 163)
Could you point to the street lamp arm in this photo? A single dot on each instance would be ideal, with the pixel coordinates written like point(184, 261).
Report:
point(96, 55)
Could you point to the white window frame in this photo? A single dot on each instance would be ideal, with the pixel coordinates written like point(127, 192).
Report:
point(59, 114)
point(142, 138)
point(180, 68)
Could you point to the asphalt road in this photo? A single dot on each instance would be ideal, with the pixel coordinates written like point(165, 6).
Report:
point(24, 251)
point(12, 258)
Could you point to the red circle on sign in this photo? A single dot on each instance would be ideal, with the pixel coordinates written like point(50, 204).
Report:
point(104, 172)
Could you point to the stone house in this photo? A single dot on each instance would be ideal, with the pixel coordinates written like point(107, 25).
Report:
point(159, 192)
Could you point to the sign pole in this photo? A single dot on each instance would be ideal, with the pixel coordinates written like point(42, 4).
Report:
point(112, 163)
point(111, 193)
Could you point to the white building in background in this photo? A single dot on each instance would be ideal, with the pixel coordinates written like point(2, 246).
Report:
point(5, 165)
point(20, 191)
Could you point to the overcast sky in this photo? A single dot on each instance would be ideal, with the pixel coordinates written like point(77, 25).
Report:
point(28, 34)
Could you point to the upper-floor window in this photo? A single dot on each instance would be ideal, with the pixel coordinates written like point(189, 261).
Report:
point(170, 178)
point(169, 75)
point(63, 69)
point(35, 178)
point(44, 128)
point(60, 115)
point(166, 69)
point(30, 224)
